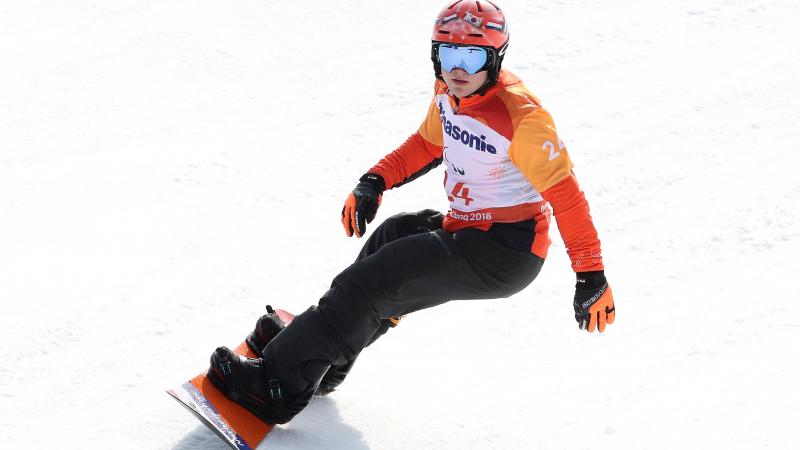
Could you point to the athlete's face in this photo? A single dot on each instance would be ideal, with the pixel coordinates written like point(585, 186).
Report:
point(461, 83)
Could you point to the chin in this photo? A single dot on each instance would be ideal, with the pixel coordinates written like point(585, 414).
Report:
point(462, 92)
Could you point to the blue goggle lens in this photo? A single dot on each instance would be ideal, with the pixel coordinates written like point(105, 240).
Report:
point(471, 59)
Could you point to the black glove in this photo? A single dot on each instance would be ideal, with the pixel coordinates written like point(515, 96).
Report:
point(593, 303)
point(362, 204)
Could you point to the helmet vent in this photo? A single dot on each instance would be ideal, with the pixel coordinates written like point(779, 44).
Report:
point(478, 35)
point(444, 32)
point(478, 4)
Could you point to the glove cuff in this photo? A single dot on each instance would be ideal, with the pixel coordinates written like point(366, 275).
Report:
point(374, 180)
point(590, 280)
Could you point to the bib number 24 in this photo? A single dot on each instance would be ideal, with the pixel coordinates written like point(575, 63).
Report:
point(462, 192)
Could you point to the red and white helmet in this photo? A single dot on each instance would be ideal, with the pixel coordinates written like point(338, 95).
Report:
point(471, 22)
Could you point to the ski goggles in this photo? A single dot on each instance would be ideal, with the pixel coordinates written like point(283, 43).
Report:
point(471, 58)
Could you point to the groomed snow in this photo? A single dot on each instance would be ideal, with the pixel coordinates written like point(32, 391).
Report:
point(169, 167)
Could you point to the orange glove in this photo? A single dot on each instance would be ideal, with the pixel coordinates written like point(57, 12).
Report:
point(594, 303)
point(362, 204)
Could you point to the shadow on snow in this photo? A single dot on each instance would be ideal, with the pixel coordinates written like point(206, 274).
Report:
point(320, 426)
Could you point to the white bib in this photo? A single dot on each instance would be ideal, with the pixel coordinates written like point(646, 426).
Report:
point(480, 177)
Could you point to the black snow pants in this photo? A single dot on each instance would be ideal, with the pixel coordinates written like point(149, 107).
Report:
point(408, 264)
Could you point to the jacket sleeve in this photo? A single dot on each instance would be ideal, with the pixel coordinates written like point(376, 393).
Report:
point(420, 153)
point(571, 211)
point(541, 156)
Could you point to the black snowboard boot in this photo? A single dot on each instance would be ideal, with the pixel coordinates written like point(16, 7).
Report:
point(249, 382)
point(267, 327)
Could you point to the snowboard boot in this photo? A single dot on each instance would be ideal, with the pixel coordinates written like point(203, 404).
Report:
point(250, 383)
point(267, 327)
point(336, 374)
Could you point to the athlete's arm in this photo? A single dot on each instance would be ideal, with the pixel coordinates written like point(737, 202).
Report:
point(420, 153)
point(571, 211)
point(543, 158)
point(593, 301)
point(415, 157)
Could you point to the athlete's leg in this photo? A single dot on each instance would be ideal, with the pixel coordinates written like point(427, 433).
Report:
point(428, 269)
point(394, 228)
point(403, 276)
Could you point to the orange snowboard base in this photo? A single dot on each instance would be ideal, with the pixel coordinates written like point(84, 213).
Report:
point(237, 426)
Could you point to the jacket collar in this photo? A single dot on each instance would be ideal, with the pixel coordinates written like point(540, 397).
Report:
point(504, 80)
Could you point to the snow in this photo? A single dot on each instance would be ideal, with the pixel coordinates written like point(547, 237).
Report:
point(169, 167)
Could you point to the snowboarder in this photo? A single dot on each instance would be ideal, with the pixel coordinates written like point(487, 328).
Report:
point(505, 169)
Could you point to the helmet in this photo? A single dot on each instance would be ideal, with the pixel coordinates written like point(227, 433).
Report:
point(472, 22)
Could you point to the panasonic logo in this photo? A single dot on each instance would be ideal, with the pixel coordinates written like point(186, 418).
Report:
point(476, 142)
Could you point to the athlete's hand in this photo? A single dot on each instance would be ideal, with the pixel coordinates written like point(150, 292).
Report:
point(594, 304)
point(362, 204)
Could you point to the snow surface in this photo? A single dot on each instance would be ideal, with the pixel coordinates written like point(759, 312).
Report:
point(168, 167)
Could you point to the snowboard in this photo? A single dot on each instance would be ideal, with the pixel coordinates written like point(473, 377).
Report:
point(233, 423)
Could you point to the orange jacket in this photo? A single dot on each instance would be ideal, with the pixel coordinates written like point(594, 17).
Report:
point(505, 163)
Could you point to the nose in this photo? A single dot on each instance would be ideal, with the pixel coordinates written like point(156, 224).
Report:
point(459, 72)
